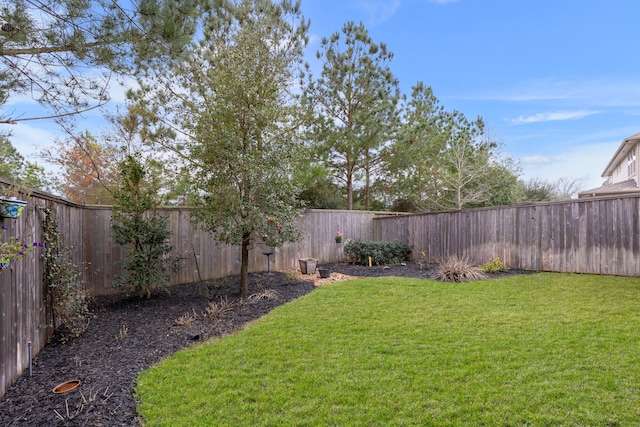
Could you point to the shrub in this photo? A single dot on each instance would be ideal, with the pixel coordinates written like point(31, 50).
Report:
point(493, 266)
point(142, 231)
point(380, 252)
point(458, 270)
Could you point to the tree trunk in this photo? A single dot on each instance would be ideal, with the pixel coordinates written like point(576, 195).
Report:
point(349, 191)
point(459, 198)
point(367, 182)
point(244, 265)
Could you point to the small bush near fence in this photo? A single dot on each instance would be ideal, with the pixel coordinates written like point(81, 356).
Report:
point(493, 266)
point(380, 252)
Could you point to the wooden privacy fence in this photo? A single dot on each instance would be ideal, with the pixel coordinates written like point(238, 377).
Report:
point(600, 236)
point(87, 230)
point(586, 236)
point(202, 258)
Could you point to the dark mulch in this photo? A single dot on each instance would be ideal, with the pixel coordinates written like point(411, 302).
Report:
point(126, 335)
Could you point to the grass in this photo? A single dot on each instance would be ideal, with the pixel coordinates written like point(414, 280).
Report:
point(529, 350)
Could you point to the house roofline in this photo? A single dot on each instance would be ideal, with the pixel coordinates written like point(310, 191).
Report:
point(587, 194)
point(620, 153)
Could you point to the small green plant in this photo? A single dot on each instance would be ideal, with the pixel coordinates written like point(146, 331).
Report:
point(380, 253)
point(458, 269)
point(423, 262)
point(493, 266)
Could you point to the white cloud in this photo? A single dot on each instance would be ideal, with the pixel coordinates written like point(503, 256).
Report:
point(21, 98)
point(553, 116)
point(314, 39)
point(598, 92)
point(585, 162)
point(538, 159)
point(378, 11)
point(118, 89)
point(26, 138)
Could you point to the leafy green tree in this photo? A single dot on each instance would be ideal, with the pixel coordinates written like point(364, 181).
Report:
point(412, 162)
point(503, 184)
point(354, 106)
point(35, 176)
point(47, 47)
point(129, 132)
point(318, 191)
point(11, 161)
point(538, 190)
point(137, 225)
point(541, 190)
point(227, 112)
point(13, 166)
point(442, 160)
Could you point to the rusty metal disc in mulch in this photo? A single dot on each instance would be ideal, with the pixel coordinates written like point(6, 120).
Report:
point(66, 386)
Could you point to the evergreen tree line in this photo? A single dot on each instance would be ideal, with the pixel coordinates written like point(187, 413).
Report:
point(361, 143)
point(227, 117)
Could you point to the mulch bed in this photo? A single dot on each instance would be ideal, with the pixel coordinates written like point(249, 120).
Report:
point(126, 335)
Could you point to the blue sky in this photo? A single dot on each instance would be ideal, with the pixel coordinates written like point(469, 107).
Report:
point(556, 81)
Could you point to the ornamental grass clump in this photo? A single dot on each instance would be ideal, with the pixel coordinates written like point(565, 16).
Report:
point(265, 294)
point(458, 269)
point(185, 320)
point(217, 310)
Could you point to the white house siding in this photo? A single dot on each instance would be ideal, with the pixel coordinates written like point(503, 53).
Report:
point(621, 172)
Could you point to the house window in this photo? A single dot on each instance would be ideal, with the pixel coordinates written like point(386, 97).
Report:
point(631, 163)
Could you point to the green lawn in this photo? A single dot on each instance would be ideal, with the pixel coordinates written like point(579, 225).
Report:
point(528, 350)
